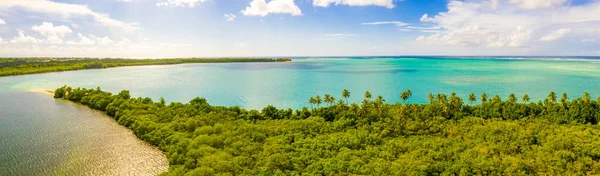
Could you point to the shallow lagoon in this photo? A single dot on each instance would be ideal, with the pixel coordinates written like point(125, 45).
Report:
point(255, 85)
point(43, 136)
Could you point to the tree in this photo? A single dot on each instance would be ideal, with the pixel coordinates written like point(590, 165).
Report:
point(409, 93)
point(512, 98)
point(404, 96)
point(496, 99)
point(483, 97)
point(318, 101)
point(525, 98)
point(430, 97)
point(312, 101)
point(346, 95)
point(586, 97)
point(472, 98)
point(327, 99)
point(563, 99)
point(552, 97)
point(368, 95)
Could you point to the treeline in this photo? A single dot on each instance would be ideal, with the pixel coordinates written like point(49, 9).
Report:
point(336, 137)
point(20, 66)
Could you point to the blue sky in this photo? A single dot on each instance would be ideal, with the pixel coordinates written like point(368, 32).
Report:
point(220, 28)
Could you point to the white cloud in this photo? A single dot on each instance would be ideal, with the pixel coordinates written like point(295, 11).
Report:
point(48, 29)
point(101, 40)
point(536, 4)
point(2, 21)
point(382, 3)
point(397, 23)
point(74, 25)
point(126, 0)
point(53, 33)
point(179, 3)
point(22, 38)
point(556, 34)
point(510, 23)
point(230, 17)
point(262, 8)
point(588, 40)
point(64, 10)
point(83, 41)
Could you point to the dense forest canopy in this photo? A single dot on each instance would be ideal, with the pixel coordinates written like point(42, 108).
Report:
point(557, 136)
point(20, 66)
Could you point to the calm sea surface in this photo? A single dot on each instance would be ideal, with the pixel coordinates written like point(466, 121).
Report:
point(42, 136)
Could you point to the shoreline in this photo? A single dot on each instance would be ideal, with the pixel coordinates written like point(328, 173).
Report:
point(42, 91)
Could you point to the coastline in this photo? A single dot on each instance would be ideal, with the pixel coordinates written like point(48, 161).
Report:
point(42, 91)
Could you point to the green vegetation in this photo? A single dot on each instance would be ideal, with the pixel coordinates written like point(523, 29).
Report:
point(443, 137)
point(20, 66)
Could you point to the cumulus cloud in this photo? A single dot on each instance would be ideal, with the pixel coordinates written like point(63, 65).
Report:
point(2, 21)
point(396, 23)
point(179, 3)
point(48, 29)
point(63, 10)
point(22, 38)
point(230, 17)
point(83, 40)
point(556, 34)
point(535, 4)
point(262, 8)
point(509, 23)
point(382, 3)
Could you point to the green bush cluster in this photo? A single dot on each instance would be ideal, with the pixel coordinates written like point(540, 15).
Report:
point(443, 137)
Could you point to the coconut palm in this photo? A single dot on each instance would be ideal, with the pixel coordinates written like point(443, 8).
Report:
point(472, 98)
point(346, 95)
point(404, 96)
point(318, 101)
point(552, 97)
point(564, 99)
point(512, 98)
point(430, 97)
point(327, 99)
point(586, 97)
point(409, 93)
point(312, 101)
point(368, 95)
point(483, 97)
point(525, 98)
point(496, 99)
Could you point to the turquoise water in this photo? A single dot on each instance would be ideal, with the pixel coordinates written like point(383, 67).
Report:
point(43, 136)
point(255, 85)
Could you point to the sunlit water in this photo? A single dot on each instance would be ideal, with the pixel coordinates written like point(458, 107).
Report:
point(42, 136)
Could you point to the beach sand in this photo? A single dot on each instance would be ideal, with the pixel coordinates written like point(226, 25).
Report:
point(48, 92)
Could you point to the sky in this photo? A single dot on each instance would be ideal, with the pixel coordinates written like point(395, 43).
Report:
point(270, 28)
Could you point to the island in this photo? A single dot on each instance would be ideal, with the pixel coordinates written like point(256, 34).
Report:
point(21, 66)
point(486, 136)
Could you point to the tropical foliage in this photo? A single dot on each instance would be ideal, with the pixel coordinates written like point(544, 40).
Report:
point(20, 66)
point(443, 137)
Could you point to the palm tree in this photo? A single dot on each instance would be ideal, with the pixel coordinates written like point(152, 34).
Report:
point(327, 99)
point(472, 98)
point(409, 93)
point(430, 97)
point(552, 97)
point(331, 100)
point(496, 99)
point(318, 101)
point(404, 96)
point(564, 98)
point(312, 101)
point(483, 97)
point(525, 98)
point(512, 98)
point(586, 97)
point(368, 95)
point(346, 95)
